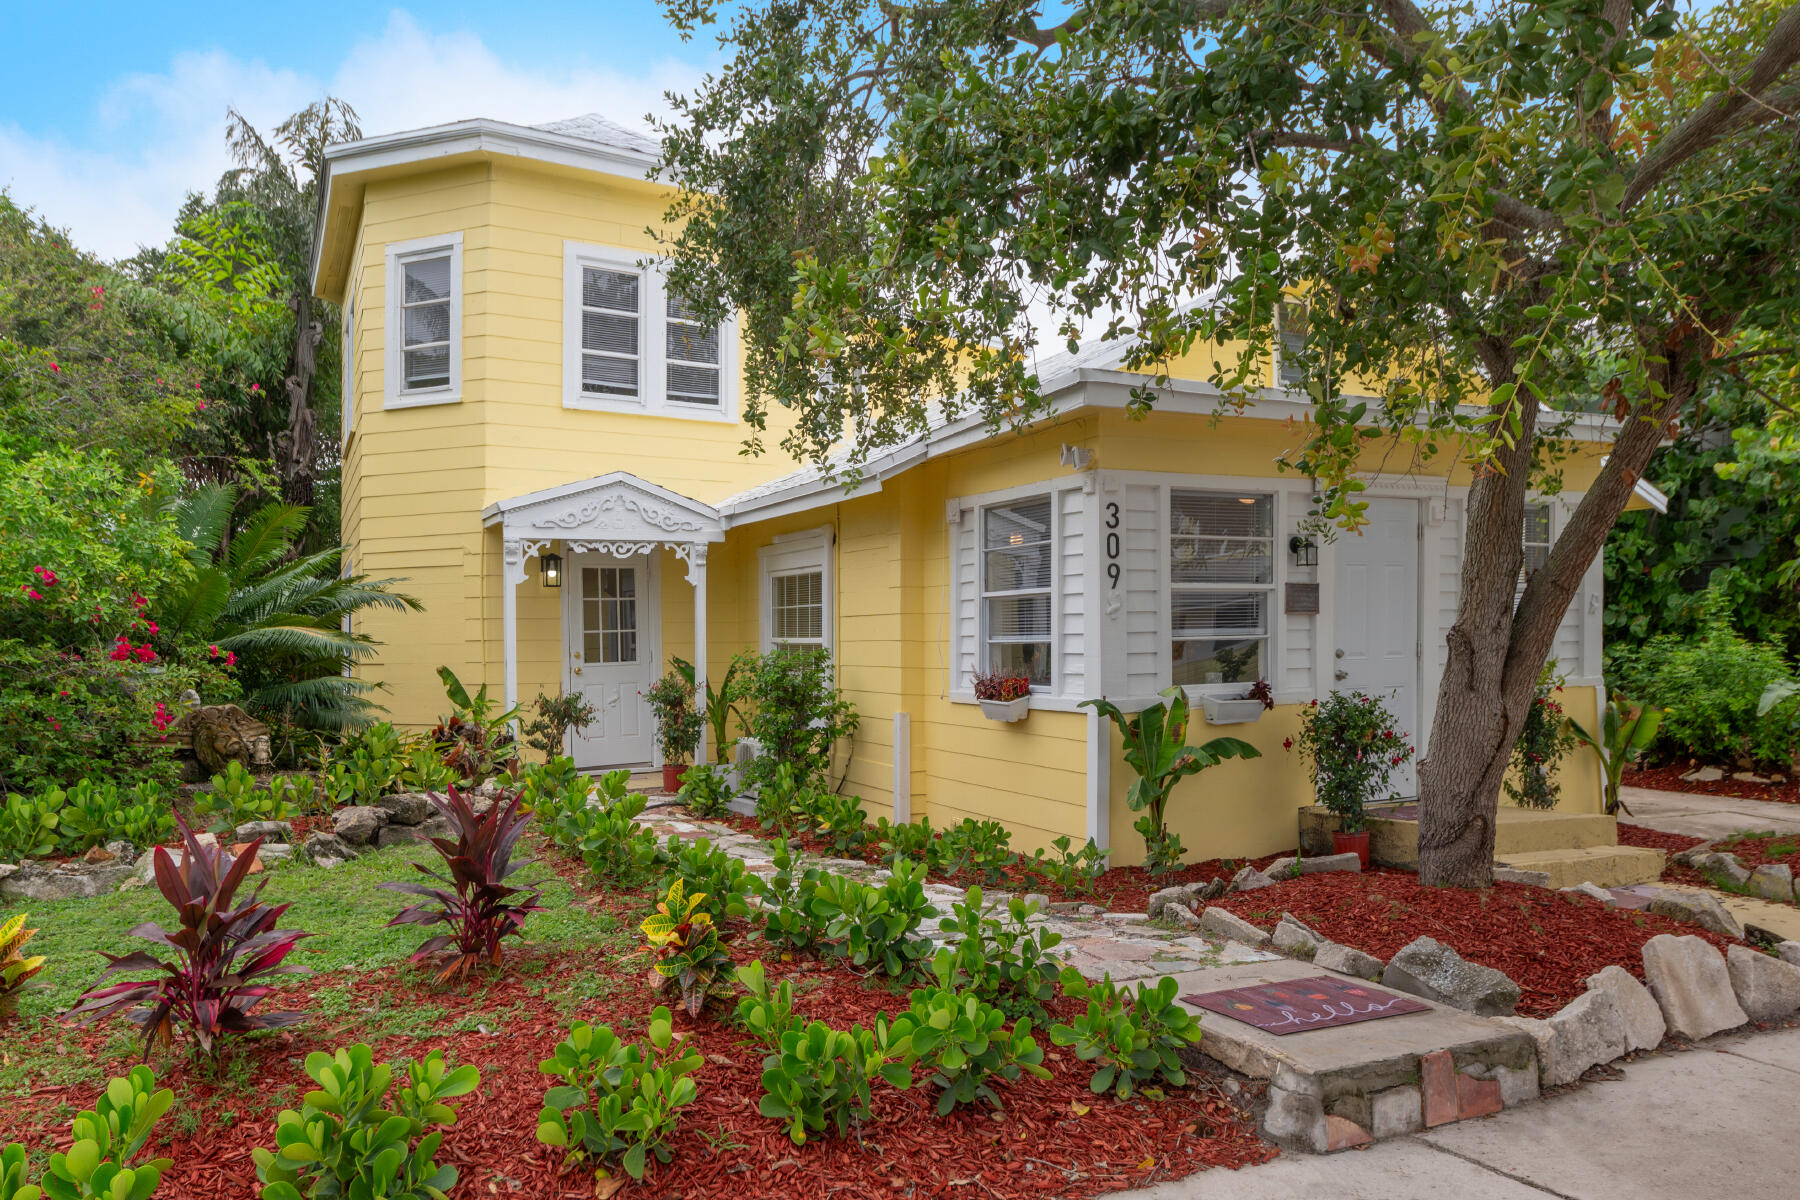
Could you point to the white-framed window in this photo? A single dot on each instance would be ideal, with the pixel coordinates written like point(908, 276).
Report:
point(1221, 586)
point(1534, 539)
point(796, 590)
point(632, 345)
point(1290, 343)
point(1018, 549)
point(424, 322)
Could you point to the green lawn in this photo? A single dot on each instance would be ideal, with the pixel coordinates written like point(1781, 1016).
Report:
point(346, 911)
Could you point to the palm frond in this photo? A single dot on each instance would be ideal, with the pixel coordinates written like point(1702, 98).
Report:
point(202, 519)
point(198, 603)
point(265, 540)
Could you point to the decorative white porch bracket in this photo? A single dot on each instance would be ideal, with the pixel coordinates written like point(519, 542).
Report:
point(616, 514)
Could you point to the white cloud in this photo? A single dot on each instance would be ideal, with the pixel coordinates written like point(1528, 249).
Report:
point(157, 137)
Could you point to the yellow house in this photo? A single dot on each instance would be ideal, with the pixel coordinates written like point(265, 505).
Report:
point(522, 392)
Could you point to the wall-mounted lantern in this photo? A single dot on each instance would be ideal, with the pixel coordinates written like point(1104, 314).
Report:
point(1304, 550)
point(550, 566)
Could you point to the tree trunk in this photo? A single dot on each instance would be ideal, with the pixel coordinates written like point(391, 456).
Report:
point(1496, 654)
point(295, 445)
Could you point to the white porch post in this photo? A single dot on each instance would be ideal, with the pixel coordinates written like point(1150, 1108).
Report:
point(696, 557)
point(514, 552)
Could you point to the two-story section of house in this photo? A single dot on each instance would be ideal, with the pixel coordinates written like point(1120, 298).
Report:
point(545, 444)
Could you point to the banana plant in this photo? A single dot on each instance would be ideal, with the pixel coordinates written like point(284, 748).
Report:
point(720, 706)
point(1624, 734)
point(1156, 749)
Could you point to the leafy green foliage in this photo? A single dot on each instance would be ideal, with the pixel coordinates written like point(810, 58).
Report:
point(689, 953)
point(1711, 687)
point(1132, 1040)
point(1069, 869)
point(224, 954)
point(548, 732)
point(1156, 750)
point(1625, 732)
point(704, 868)
point(1003, 961)
point(600, 826)
point(31, 826)
point(799, 715)
point(980, 848)
point(106, 1139)
point(476, 738)
point(617, 1098)
point(706, 790)
point(916, 840)
point(818, 1080)
point(876, 927)
point(790, 919)
point(96, 813)
point(678, 721)
point(346, 1141)
point(764, 1013)
point(1541, 747)
point(839, 819)
point(965, 1043)
point(239, 798)
point(1349, 742)
point(480, 906)
point(720, 704)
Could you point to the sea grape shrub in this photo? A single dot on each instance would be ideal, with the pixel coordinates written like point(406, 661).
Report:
point(546, 788)
point(31, 826)
point(840, 819)
point(965, 1043)
point(764, 1013)
point(706, 790)
point(876, 927)
point(706, 870)
point(478, 904)
point(224, 953)
point(1069, 869)
point(689, 953)
point(105, 1141)
point(599, 825)
point(910, 839)
point(1131, 1040)
point(347, 1141)
point(618, 1099)
point(819, 1078)
point(790, 920)
point(778, 802)
point(981, 848)
point(16, 967)
point(95, 813)
point(238, 798)
point(1005, 962)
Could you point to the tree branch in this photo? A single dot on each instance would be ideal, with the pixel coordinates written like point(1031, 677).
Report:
point(1722, 110)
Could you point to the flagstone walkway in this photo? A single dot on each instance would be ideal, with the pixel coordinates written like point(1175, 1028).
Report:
point(1095, 942)
point(1709, 817)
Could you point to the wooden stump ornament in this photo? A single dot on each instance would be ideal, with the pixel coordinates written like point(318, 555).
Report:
point(222, 733)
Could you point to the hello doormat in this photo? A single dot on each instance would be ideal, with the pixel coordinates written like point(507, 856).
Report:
point(1302, 1004)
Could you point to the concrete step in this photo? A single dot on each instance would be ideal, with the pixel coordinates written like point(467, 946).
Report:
point(1604, 866)
point(1394, 840)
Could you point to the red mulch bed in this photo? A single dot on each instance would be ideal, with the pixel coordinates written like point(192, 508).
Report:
point(1547, 942)
point(1055, 1139)
point(1655, 839)
point(1120, 889)
point(1753, 852)
point(1669, 779)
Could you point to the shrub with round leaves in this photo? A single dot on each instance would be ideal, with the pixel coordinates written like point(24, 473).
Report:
point(1131, 1040)
point(105, 1140)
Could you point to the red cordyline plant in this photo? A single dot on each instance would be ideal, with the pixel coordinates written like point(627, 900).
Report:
point(222, 952)
point(482, 909)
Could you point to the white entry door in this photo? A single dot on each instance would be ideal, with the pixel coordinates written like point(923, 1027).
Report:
point(609, 619)
point(1376, 613)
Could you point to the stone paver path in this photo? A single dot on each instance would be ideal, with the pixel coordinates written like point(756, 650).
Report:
point(1127, 946)
point(1709, 817)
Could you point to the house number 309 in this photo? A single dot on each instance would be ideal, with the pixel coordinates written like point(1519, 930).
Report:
point(1112, 543)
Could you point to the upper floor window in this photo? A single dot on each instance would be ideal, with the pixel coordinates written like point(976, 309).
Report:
point(424, 322)
point(1535, 541)
point(1016, 554)
point(632, 345)
point(1290, 343)
point(1221, 585)
point(796, 590)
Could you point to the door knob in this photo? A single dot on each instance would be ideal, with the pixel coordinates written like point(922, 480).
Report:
point(1339, 674)
point(1340, 652)
point(577, 670)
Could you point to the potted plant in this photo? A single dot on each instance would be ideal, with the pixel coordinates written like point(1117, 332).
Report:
point(1353, 748)
point(1257, 699)
point(1003, 697)
point(678, 724)
point(1156, 750)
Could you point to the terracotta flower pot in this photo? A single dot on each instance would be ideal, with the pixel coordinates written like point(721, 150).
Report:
point(673, 774)
point(1345, 843)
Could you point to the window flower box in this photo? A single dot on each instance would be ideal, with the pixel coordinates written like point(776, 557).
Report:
point(1221, 710)
point(1003, 697)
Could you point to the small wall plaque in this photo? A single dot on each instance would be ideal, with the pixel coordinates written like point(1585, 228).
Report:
point(1302, 598)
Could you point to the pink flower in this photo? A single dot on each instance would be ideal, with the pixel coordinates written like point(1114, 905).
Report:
point(214, 650)
point(200, 406)
point(145, 653)
point(138, 601)
point(231, 658)
point(153, 627)
point(55, 724)
point(161, 718)
point(64, 695)
point(54, 367)
point(256, 387)
point(121, 651)
point(45, 574)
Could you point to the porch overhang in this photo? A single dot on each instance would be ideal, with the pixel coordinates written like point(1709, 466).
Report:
point(615, 507)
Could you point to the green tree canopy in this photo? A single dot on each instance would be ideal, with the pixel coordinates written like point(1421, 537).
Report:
point(1479, 200)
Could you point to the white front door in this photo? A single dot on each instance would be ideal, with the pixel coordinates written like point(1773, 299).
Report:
point(609, 617)
point(1377, 618)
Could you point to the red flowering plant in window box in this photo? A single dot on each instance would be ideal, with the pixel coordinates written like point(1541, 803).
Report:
point(1003, 697)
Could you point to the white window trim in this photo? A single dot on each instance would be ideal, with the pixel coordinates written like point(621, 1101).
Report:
point(1279, 346)
point(347, 383)
point(1054, 637)
point(791, 554)
point(1277, 580)
point(393, 373)
point(652, 398)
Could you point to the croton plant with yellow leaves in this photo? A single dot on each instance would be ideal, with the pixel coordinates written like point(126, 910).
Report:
point(690, 952)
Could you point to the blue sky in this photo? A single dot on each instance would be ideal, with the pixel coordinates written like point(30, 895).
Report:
point(111, 112)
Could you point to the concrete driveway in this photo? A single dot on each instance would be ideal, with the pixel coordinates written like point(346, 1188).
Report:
point(1707, 817)
point(1715, 1120)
